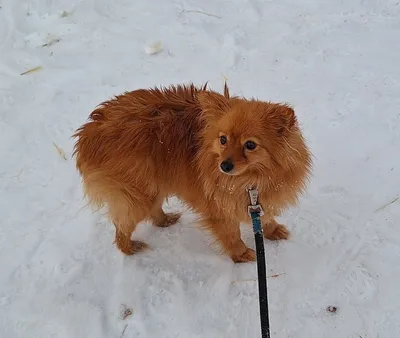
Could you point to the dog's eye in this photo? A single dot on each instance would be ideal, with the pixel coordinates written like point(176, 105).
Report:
point(250, 145)
point(223, 139)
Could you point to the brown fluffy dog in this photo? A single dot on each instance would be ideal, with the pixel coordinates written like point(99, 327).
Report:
point(204, 147)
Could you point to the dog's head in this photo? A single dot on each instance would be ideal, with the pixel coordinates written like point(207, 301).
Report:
point(249, 135)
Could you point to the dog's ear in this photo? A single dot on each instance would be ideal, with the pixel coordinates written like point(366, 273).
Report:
point(226, 91)
point(213, 105)
point(286, 118)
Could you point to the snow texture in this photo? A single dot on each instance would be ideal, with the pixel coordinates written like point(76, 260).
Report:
point(336, 62)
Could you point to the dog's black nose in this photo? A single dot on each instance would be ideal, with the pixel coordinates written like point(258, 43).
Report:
point(227, 166)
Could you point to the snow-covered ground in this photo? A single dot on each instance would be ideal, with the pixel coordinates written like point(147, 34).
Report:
point(337, 62)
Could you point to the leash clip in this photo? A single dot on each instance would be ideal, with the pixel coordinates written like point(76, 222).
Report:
point(254, 206)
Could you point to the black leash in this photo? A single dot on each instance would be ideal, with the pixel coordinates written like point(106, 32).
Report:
point(255, 211)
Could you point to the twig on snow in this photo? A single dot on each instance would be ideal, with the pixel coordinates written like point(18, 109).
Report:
point(387, 204)
point(255, 279)
point(123, 331)
point(201, 12)
point(277, 275)
point(60, 151)
point(35, 69)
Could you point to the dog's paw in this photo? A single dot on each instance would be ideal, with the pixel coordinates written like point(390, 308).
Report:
point(132, 247)
point(280, 232)
point(170, 219)
point(248, 256)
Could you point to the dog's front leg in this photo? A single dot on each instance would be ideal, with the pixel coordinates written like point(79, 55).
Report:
point(227, 233)
point(274, 231)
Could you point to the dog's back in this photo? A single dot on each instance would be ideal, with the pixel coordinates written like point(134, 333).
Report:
point(133, 151)
point(132, 121)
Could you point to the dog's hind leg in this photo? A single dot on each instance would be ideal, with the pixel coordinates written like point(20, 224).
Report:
point(127, 205)
point(159, 217)
point(126, 213)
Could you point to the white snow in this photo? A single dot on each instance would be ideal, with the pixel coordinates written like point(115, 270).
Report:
point(337, 62)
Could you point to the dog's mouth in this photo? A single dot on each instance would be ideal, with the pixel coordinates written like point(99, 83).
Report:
point(228, 173)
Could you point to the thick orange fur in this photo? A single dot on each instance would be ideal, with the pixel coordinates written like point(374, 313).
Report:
point(145, 145)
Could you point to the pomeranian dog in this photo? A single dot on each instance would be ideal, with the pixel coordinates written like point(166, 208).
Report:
point(201, 146)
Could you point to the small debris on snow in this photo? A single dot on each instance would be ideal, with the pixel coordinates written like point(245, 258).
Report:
point(35, 69)
point(277, 275)
point(17, 176)
point(153, 48)
point(127, 312)
point(51, 42)
point(64, 14)
point(331, 309)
